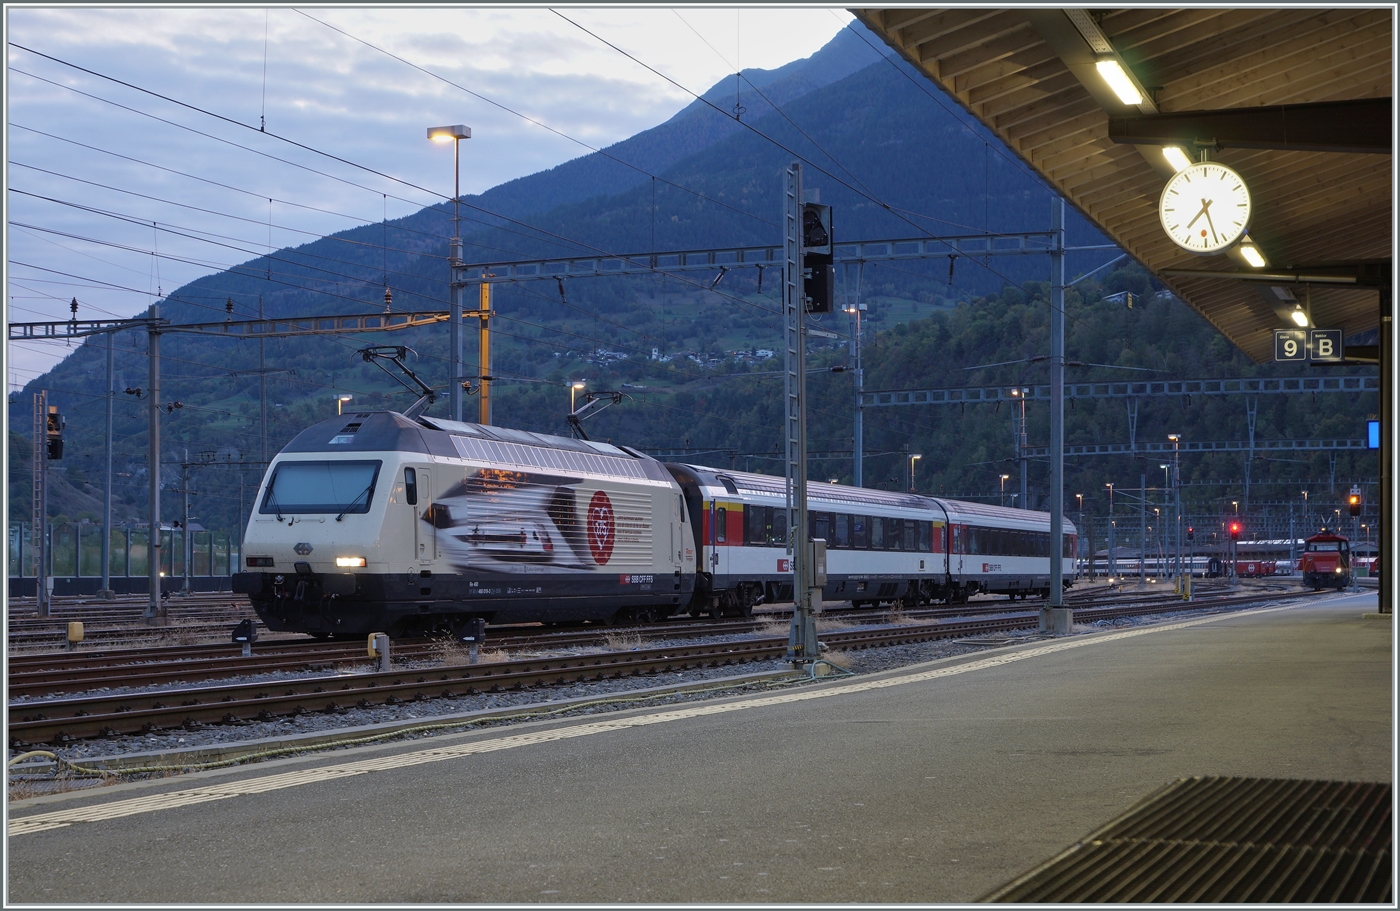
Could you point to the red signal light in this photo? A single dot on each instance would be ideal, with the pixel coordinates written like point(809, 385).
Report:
point(1235, 530)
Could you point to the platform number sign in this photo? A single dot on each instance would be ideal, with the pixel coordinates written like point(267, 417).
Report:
point(1320, 346)
point(1290, 344)
point(1326, 345)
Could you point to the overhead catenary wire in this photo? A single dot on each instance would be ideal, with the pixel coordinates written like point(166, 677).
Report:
point(538, 123)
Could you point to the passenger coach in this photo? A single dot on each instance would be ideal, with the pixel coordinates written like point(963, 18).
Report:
point(881, 547)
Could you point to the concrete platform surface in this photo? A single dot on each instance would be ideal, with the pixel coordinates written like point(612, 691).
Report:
point(931, 784)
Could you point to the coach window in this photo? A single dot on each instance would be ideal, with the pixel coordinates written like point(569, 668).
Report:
point(842, 535)
point(859, 539)
point(892, 535)
point(753, 525)
point(410, 486)
point(925, 536)
point(877, 533)
point(779, 526)
point(721, 520)
point(819, 524)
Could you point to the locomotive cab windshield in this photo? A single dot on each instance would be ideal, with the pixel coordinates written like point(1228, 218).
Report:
point(321, 486)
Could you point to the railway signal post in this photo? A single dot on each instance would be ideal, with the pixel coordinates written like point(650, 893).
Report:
point(803, 649)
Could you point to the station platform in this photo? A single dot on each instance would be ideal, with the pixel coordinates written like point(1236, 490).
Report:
point(937, 783)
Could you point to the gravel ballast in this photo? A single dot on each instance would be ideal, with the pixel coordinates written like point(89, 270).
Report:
point(166, 746)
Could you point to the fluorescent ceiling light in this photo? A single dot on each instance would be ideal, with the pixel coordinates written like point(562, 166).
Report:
point(1252, 255)
point(1299, 316)
point(1112, 73)
point(1177, 158)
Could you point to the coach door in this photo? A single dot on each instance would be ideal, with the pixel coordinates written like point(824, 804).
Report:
point(418, 492)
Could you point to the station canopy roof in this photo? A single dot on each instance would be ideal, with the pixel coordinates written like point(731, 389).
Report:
point(1297, 100)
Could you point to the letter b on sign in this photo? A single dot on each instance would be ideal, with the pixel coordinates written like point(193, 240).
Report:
point(1326, 344)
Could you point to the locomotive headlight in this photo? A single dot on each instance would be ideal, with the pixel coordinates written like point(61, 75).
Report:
point(1336, 569)
point(349, 561)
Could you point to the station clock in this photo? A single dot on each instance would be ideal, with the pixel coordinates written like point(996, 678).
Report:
point(1205, 208)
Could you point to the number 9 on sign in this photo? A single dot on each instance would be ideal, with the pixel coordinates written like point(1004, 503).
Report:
point(1290, 344)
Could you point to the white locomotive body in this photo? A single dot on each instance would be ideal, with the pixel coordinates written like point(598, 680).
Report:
point(379, 522)
point(375, 522)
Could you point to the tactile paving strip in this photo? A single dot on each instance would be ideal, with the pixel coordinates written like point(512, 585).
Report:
point(1229, 840)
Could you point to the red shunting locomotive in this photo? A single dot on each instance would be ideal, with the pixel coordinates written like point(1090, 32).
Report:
point(1326, 562)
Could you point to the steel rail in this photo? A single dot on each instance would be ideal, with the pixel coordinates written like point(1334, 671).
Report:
point(60, 720)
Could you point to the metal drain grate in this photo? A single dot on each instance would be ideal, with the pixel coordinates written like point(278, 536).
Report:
point(1214, 840)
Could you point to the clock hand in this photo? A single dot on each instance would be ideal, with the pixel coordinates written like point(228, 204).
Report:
point(1205, 204)
point(1212, 227)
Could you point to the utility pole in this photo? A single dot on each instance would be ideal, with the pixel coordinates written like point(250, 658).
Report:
point(1056, 618)
point(802, 637)
point(1142, 528)
point(154, 613)
point(1111, 562)
point(106, 594)
point(454, 323)
point(186, 549)
point(262, 387)
point(484, 315)
point(1021, 441)
point(854, 310)
point(40, 502)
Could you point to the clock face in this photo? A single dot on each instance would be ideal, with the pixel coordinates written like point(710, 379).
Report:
point(1205, 208)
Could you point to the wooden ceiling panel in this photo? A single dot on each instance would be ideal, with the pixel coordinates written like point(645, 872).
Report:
point(995, 30)
point(1309, 207)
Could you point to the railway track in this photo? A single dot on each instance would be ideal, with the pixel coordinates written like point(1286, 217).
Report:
point(71, 672)
point(95, 715)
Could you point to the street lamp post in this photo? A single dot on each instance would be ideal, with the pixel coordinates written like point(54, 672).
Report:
point(1079, 540)
point(1004, 478)
point(1020, 396)
point(1167, 487)
point(1176, 502)
point(1157, 520)
point(1111, 562)
point(454, 134)
point(854, 309)
point(574, 387)
point(340, 401)
point(913, 457)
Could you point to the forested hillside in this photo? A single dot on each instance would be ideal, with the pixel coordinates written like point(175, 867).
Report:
point(889, 155)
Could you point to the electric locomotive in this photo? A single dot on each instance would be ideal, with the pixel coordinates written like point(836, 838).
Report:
point(1326, 562)
point(377, 521)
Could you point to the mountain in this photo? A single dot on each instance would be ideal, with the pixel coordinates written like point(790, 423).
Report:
point(694, 128)
point(891, 156)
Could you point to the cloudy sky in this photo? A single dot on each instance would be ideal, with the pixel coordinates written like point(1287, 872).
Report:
point(116, 194)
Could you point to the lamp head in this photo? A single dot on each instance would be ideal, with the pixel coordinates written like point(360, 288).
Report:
point(449, 133)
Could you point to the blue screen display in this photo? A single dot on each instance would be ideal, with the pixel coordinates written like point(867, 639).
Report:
point(1373, 434)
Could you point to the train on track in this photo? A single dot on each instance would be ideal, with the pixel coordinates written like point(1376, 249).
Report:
point(1326, 562)
point(380, 522)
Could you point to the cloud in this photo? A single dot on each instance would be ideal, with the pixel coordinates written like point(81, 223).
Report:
point(326, 91)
